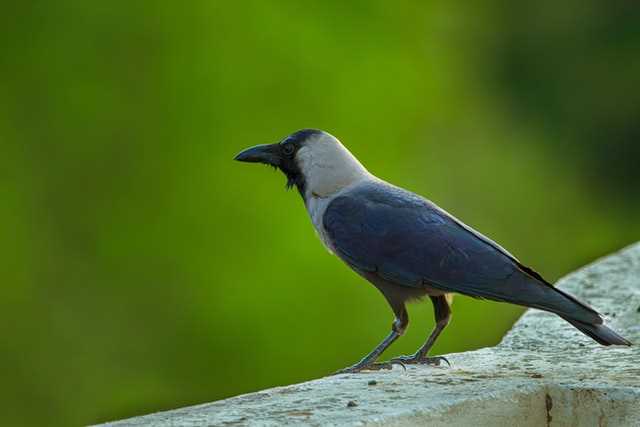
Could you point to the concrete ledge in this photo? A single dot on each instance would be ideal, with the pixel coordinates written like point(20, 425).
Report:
point(543, 373)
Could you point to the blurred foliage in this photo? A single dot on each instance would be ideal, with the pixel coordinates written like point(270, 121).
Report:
point(144, 270)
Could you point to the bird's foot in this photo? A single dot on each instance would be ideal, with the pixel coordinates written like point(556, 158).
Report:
point(420, 360)
point(370, 367)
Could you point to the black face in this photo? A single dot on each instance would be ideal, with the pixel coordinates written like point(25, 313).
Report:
point(282, 156)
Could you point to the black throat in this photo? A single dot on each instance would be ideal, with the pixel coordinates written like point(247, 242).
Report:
point(289, 166)
point(295, 178)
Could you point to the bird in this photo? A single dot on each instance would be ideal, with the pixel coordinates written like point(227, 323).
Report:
point(408, 247)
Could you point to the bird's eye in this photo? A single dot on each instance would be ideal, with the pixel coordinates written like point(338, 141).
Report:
point(288, 149)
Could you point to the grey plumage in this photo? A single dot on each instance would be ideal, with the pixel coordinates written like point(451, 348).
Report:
point(407, 246)
point(407, 240)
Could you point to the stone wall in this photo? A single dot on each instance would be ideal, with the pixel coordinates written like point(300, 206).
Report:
point(544, 372)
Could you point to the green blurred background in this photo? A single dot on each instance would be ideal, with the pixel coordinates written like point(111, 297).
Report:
point(142, 269)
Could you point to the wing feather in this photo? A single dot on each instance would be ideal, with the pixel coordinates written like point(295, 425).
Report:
point(408, 240)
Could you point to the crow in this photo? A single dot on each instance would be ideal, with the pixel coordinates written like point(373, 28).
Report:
point(407, 246)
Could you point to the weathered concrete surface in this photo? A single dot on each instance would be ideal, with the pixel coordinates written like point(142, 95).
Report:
point(543, 373)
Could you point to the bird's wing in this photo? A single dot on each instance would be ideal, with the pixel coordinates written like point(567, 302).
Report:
point(407, 240)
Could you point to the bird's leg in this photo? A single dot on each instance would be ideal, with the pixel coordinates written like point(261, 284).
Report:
point(442, 313)
point(368, 362)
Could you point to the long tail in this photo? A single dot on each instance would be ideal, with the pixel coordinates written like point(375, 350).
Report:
point(600, 333)
point(537, 292)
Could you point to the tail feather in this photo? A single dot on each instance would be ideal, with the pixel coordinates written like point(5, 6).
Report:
point(600, 333)
point(531, 292)
point(547, 297)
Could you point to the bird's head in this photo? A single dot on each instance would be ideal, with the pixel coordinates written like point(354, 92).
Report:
point(312, 160)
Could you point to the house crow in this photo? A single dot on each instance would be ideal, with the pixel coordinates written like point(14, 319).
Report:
point(408, 247)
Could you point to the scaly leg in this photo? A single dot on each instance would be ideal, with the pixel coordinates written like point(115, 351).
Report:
point(368, 362)
point(442, 313)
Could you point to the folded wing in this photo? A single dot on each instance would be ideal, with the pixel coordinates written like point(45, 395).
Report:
point(407, 240)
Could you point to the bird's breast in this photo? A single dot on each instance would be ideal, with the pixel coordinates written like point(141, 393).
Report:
point(317, 206)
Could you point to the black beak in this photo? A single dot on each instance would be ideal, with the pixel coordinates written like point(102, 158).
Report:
point(266, 153)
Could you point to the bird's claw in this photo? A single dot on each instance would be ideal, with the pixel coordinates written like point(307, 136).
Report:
point(371, 367)
point(417, 360)
point(387, 365)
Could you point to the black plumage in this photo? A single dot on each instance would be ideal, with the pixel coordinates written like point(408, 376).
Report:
point(407, 246)
point(399, 237)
